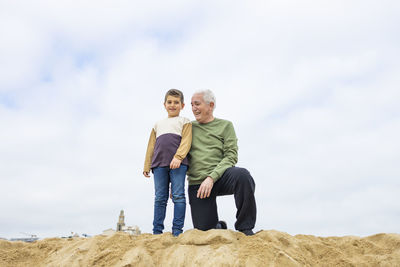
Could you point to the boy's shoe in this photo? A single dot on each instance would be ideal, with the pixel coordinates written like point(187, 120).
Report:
point(221, 225)
point(247, 232)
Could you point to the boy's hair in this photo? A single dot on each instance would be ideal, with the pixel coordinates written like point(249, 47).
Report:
point(174, 92)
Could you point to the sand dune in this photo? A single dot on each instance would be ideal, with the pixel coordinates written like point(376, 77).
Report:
point(211, 248)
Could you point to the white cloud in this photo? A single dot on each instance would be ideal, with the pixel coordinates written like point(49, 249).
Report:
point(310, 87)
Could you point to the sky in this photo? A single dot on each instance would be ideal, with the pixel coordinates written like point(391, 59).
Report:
point(312, 89)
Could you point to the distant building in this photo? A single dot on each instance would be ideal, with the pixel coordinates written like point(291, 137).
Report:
point(121, 221)
point(132, 230)
point(109, 232)
point(25, 239)
point(32, 238)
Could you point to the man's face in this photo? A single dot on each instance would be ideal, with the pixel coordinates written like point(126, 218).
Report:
point(202, 111)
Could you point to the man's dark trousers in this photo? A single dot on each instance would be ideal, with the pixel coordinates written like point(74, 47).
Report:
point(236, 181)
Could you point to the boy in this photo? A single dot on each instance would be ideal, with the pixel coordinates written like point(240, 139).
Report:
point(169, 142)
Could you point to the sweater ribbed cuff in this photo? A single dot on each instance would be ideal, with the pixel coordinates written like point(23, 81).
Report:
point(214, 176)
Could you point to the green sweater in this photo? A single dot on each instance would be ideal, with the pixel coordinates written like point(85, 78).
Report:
point(214, 149)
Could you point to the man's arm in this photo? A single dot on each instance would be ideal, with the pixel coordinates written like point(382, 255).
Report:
point(230, 150)
point(229, 160)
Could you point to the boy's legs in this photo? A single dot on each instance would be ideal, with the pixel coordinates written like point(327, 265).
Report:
point(177, 177)
point(161, 187)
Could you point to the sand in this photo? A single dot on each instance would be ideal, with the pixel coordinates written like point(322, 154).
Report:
point(211, 248)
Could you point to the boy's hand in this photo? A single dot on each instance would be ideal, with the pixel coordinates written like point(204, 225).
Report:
point(175, 163)
point(146, 174)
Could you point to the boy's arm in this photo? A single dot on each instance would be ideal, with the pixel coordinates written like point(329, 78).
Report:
point(149, 152)
point(186, 142)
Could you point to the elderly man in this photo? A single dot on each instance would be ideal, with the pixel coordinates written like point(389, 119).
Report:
point(212, 170)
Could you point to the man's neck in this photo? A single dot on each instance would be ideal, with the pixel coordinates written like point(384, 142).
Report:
point(208, 120)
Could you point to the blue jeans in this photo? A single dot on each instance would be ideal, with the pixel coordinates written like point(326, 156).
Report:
point(162, 177)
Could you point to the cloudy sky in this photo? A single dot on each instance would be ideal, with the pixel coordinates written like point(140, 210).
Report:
point(312, 88)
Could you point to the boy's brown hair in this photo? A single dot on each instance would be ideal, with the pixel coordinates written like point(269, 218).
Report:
point(174, 92)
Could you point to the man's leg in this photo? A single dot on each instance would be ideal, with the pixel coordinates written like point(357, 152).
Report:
point(240, 183)
point(177, 177)
point(204, 211)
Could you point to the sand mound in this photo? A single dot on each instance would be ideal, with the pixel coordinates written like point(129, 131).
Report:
point(211, 248)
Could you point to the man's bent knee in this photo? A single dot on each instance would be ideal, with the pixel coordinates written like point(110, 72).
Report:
point(245, 178)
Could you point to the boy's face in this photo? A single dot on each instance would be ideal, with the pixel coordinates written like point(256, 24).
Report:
point(173, 105)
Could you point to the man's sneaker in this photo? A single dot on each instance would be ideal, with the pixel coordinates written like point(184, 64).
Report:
point(221, 225)
point(247, 232)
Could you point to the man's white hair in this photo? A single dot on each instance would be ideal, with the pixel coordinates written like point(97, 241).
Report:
point(208, 96)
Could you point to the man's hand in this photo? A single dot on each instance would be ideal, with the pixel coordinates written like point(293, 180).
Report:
point(175, 163)
point(205, 188)
point(146, 174)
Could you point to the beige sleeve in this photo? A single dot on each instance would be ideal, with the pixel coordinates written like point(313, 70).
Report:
point(150, 151)
point(186, 142)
